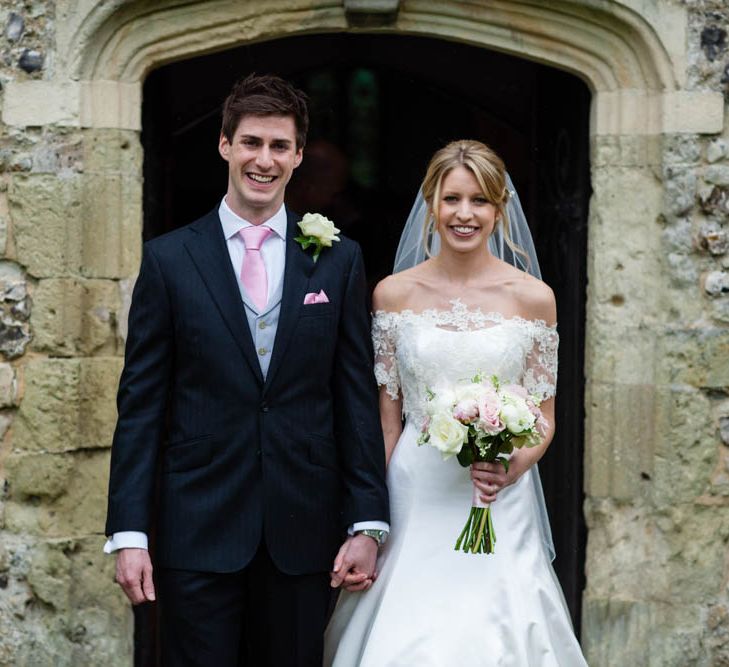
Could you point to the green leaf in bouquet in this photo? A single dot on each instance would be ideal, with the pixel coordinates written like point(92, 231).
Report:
point(465, 456)
point(506, 447)
point(429, 394)
point(504, 462)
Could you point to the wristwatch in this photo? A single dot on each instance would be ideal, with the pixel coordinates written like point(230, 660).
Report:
point(379, 536)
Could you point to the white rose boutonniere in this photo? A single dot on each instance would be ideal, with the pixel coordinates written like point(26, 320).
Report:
point(317, 231)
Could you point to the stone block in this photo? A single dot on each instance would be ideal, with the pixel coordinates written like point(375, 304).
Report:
point(43, 476)
point(625, 241)
point(47, 220)
point(49, 574)
point(8, 386)
point(619, 439)
point(717, 174)
point(99, 382)
point(693, 112)
point(74, 316)
point(111, 225)
point(685, 445)
point(112, 151)
point(48, 416)
point(619, 353)
point(36, 102)
point(628, 632)
point(625, 150)
point(68, 404)
point(81, 509)
point(697, 357)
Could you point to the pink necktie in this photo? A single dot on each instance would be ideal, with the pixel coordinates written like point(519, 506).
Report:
point(253, 273)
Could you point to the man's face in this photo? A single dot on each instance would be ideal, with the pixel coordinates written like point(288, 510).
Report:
point(261, 158)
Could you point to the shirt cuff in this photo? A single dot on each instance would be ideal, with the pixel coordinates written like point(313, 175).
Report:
point(127, 539)
point(371, 525)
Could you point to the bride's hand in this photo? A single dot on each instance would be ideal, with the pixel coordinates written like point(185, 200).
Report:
point(490, 478)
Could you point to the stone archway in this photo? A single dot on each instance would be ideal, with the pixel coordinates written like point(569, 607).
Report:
point(632, 55)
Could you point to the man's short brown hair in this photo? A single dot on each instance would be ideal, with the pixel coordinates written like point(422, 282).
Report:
point(265, 95)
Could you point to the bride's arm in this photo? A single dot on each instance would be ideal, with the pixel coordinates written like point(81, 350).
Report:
point(385, 303)
point(537, 303)
point(391, 419)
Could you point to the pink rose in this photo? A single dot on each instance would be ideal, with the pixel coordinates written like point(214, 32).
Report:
point(489, 407)
point(466, 411)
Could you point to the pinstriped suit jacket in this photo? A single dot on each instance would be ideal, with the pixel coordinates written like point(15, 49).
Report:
point(293, 460)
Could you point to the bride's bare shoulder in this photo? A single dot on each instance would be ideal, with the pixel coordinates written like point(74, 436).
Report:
point(536, 298)
point(396, 292)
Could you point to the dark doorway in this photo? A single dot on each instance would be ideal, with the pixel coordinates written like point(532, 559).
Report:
point(380, 106)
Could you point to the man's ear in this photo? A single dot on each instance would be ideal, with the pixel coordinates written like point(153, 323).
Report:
point(224, 147)
point(299, 157)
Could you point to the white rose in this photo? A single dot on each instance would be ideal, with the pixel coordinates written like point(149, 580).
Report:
point(447, 434)
point(442, 402)
point(515, 413)
point(316, 225)
point(469, 392)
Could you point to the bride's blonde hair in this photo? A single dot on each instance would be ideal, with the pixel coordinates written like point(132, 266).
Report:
point(487, 168)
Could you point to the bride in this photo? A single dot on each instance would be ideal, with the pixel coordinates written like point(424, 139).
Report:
point(461, 311)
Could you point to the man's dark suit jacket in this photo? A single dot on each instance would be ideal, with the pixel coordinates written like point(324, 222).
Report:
point(293, 460)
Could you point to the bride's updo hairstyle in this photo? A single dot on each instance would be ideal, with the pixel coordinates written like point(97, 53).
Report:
point(487, 168)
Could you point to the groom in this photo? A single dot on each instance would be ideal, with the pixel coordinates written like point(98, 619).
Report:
point(248, 380)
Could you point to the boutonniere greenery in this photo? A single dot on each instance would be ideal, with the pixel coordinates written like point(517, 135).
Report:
point(317, 232)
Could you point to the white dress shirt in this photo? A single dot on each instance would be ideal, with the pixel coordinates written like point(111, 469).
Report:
point(273, 253)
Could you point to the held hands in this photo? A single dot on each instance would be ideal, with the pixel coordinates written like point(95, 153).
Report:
point(354, 566)
point(134, 575)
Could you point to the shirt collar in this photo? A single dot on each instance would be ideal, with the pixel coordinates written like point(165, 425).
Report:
point(233, 223)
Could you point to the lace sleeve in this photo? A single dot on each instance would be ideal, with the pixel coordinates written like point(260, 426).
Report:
point(540, 376)
point(384, 328)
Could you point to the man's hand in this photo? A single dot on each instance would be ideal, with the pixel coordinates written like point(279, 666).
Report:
point(134, 575)
point(354, 566)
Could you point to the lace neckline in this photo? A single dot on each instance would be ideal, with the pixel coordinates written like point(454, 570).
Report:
point(461, 310)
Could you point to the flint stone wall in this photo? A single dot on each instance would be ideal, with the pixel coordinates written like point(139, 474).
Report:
point(657, 354)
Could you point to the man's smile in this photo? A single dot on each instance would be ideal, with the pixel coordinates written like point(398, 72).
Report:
point(260, 178)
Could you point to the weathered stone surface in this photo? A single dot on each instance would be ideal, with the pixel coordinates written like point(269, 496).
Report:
point(687, 442)
point(716, 283)
point(62, 607)
point(69, 404)
point(38, 475)
point(717, 150)
point(679, 189)
point(714, 238)
point(715, 201)
point(112, 233)
point(46, 213)
point(14, 27)
point(8, 386)
point(30, 60)
point(717, 174)
point(696, 357)
point(633, 632)
point(74, 316)
point(619, 462)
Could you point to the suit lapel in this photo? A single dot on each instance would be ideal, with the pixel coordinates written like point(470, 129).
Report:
point(298, 270)
point(210, 255)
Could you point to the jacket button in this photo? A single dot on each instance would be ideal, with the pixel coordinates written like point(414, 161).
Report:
point(264, 407)
point(258, 453)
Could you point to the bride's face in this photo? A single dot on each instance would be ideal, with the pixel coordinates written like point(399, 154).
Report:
point(465, 217)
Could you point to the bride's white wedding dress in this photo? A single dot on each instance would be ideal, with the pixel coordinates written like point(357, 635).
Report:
point(432, 606)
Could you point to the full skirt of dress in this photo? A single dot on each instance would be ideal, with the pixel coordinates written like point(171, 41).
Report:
point(432, 606)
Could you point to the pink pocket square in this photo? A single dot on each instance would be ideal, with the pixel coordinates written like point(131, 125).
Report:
point(313, 297)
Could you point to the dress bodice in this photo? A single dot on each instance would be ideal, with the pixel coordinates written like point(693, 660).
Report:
point(414, 351)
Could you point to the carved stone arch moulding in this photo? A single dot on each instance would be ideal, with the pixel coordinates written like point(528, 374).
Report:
point(633, 64)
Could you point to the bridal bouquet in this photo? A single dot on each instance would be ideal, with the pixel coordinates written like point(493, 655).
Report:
point(480, 420)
